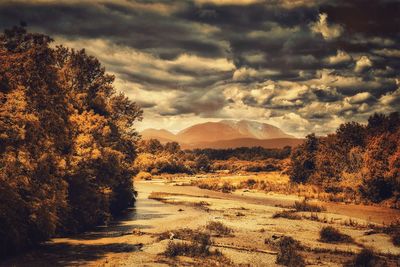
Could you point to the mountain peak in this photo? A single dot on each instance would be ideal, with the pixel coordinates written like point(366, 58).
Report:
point(223, 130)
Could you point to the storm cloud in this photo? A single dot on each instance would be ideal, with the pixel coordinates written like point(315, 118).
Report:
point(304, 65)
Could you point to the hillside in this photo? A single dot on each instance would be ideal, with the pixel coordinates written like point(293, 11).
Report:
point(162, 135)
point(226, 134)
point(247, 142)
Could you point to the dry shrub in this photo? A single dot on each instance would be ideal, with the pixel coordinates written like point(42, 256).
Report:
point(216, 186)
point(287, 215)
point(306, 206)
point(393, 230)
point(157, 196)
point(366, 258)
point(288, 253)
point(219, 228)
point(143, 176)
point(329, 234)
point(396, 239)
point(195, 244)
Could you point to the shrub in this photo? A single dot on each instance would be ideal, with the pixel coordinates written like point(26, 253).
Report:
point(287, 215)
point(219, 228)
point(396, 239)
point(288, 253)
point(332, 235)
point(366, 258)
point(306, 206)
point(143, 176)
point(160, 196)
point(196, 244)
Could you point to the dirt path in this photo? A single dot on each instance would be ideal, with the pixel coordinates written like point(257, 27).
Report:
point(132, 240)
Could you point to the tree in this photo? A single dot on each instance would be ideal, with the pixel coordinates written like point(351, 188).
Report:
point(67, 141)
point(303, 159)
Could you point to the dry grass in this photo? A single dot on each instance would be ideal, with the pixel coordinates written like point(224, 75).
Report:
point(219, 229)
point(224, 187)
point(287, 214)
point(393, 230)
point(306, 206)
point(191, 243)
point(160, 196)
point(198, 245)
point(288, 254)
point(329, 234)
point(366, 258)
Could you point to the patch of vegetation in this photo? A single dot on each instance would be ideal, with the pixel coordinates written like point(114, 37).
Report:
point(330, 234)
point(216, 186)
point(219, 228)
point(396, 239)
point(358, 162)
point(315, 217)
point(393, 230)
point(196, 244)
point(67, 141)
point(306, 206)
point(143, 176)
point(287, 214)
point(288, 254)
point(366, 258)
point(160, 196)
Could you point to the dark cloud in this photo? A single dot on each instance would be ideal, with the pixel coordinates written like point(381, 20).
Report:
point(305, 64)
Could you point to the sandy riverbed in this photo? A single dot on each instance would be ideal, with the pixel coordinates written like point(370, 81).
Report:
point(133, 239)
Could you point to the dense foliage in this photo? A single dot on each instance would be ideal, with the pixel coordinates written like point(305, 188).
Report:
point(156, 158)
point(363, 160)
point(244, 153)
point(66, 141)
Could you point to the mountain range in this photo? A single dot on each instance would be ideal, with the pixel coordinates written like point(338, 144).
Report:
point(225, 134)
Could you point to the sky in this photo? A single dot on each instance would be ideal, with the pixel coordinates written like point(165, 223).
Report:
point(302, 65)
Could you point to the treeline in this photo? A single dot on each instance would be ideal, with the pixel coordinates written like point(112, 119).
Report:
point(155, 158)
point(358, 160)
point(66, 141)
point(245, 153)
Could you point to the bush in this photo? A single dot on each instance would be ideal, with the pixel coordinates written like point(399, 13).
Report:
point(143, 176)
point(396, 239)
point(198, 244)
point(288, 253)
point(366, 258)
point(287, 215)
point(219, 228)
point(305, 206)
point(329, 234)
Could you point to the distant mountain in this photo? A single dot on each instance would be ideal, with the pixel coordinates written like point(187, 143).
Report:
point(161, 134)
point(247, 142)
point(254, 129)
point(224, 134)
point(209, 132)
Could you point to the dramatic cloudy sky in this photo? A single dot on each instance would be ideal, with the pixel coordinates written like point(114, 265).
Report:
point(303, 65)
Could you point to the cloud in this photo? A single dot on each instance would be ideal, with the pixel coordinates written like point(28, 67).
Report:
point(303, 65)
point(340, 58)
point(327, 31)
point(359, 98)
point(228, 2)
point(362, 64)
point(388, 52)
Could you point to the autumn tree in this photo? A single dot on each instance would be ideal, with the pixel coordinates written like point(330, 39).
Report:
point(67, 141)
point(303, 159)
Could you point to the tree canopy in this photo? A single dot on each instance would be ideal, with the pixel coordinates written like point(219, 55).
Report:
point(67, 141)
